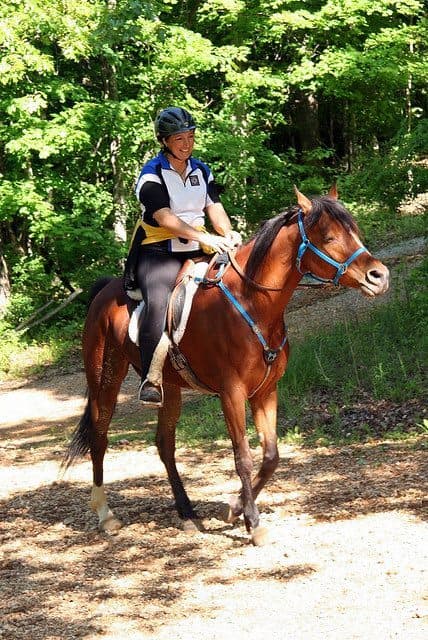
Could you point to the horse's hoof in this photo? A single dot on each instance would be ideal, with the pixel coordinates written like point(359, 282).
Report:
point(190, 526)
point(227, 514)
point(111, 525)
point(259, 536)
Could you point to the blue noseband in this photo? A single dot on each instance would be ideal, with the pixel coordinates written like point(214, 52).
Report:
point(340, 267)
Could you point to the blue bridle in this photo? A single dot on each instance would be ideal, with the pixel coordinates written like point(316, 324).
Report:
point(340, 267)
point(270, 354)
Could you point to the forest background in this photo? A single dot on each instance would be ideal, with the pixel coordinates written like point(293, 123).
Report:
point(284, 92)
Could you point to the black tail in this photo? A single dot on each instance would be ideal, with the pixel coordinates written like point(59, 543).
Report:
point(97, 286)
point(81, 439)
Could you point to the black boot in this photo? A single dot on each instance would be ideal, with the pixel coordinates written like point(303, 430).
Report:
point(150, 394)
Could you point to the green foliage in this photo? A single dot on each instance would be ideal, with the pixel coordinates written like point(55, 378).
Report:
point(397, 174)
point(284, 92)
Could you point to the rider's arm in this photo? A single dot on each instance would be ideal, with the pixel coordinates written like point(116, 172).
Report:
point(219, 218)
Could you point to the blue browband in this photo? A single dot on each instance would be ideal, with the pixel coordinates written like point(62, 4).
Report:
point(307, 244)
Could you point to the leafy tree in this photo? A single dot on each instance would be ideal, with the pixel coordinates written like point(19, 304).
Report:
point(284, 91)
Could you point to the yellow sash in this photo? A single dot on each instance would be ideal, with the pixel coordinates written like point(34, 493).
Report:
point(157, 234)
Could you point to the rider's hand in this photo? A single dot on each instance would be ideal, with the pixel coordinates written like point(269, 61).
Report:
point(234, 238)
point(218, 243)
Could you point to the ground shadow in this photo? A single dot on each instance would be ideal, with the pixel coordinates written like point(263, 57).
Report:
point(60, 562)
point(339, 483)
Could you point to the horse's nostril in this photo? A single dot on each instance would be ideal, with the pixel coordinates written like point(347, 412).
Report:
point(378, 277)
point(375, 274)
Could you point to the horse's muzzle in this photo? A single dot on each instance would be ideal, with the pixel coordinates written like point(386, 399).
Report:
point(376, 281)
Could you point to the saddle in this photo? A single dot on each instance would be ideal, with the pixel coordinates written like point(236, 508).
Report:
point(179, 307)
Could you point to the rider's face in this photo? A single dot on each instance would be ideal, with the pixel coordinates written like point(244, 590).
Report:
point(181, 144)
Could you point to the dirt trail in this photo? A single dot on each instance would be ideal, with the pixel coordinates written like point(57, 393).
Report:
point(348, 557)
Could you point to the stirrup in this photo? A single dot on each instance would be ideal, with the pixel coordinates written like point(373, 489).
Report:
point(149, 394)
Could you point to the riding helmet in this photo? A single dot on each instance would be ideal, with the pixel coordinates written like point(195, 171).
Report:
point(173, 120)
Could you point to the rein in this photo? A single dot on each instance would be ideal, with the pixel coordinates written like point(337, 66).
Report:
point(270, 354)
point(253, 283)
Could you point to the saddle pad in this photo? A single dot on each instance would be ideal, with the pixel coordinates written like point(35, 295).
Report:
point(180, 303)
point(134, 323)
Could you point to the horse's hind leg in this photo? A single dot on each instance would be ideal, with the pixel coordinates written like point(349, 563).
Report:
point(103, 392)
point(165, 440)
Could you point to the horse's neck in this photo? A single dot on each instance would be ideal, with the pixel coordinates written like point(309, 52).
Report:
point(278, 271)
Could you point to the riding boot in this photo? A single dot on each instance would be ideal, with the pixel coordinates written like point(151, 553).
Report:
point(150, 391)
point(150, 394)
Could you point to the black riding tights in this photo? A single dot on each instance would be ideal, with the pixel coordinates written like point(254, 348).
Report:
point(156, 275)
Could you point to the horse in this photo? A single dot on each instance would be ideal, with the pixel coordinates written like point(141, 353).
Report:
point(239, 314)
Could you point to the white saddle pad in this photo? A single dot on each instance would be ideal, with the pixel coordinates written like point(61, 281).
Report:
point(195, 270)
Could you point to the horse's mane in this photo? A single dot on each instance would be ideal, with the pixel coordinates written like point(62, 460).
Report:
point(270, 228)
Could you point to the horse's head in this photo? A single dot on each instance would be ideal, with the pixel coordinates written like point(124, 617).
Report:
point(331, 249)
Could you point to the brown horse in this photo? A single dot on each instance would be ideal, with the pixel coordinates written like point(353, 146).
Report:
point(235, 343)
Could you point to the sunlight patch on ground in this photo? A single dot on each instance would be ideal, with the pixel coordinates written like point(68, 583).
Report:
point(30, 404)
point(119, 465)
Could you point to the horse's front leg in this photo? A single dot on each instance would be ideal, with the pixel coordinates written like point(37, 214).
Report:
point(165, 440)
point(234, 412)
point(264, 410)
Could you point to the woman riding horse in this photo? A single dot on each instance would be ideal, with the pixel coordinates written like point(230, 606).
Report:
point(175, 191)
point(235, 343)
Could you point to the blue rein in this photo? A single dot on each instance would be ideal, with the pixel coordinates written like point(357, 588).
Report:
point(270, 354)
point(340, 267)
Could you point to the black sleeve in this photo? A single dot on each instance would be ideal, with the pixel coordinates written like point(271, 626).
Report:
point(153, 196)
point(214, 191)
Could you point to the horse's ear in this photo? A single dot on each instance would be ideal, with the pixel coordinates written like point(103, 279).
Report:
point(304, 203)
point(333, 192)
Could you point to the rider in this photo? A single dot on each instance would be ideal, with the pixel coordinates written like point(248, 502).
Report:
point(175, 191)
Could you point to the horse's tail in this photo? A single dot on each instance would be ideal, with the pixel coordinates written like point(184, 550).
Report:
point(81, 439)
point(83, 434)
point(97, 286)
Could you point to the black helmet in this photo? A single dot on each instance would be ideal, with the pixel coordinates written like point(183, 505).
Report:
point(173, 120)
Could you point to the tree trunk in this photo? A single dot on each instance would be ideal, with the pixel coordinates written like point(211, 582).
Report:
point(119, 201)
point(4, 285)
point(305, 119)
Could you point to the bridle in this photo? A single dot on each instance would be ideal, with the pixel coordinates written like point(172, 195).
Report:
point(223, 261)
point(305, 244)
point(341, 267)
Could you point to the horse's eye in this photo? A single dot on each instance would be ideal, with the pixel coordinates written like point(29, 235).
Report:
point(329, 239)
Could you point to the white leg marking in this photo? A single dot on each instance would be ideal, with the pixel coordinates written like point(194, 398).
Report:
point(106, 519)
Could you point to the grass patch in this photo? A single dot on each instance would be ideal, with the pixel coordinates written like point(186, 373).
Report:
point(382, 357)
point(29, 354)
point(202, 422)
point(384, 354)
